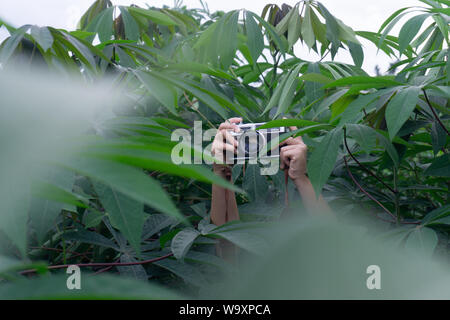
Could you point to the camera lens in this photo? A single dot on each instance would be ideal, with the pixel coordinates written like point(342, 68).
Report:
point(251, 143)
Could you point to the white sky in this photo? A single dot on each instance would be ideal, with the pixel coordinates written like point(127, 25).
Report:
point(364, 15)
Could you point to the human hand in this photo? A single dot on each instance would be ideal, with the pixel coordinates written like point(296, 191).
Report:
point(293, 156)
point(224, 141)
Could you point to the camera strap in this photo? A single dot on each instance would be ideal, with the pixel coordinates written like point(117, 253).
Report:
point(286, 192)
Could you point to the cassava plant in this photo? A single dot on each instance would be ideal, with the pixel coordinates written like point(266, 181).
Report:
point(378, 145)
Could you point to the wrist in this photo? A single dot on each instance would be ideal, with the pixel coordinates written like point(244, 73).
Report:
point(222, 170)
point(302, 178)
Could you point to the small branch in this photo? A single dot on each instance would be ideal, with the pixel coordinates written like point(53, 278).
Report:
point(102, 264)
point(191, 104)
point(260, 72)
point(364, 167)
point(434, 112)
point(365, 192)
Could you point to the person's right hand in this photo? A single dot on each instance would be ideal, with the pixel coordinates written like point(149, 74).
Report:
point(224, 141)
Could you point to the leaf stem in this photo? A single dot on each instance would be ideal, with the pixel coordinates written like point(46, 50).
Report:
point(363, 166)
point(434, 112)
point(365, 192)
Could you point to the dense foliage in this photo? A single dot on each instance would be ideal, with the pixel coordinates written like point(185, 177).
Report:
point(378, 145)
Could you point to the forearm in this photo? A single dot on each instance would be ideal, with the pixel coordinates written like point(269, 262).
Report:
point(223, 201)
point(308, 195)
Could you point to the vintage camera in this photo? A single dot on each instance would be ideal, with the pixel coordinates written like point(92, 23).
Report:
point(254, 143)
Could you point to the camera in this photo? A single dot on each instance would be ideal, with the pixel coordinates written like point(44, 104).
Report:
point(254, 143)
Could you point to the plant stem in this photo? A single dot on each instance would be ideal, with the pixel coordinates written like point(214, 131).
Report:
point(364, 167)
point(365, 192)
point(102, 264)
point(434, 112)
point(396, 195)
point(275, 67)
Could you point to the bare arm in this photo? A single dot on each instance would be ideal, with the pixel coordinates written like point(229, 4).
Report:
point(223, 201)
point(293, 158)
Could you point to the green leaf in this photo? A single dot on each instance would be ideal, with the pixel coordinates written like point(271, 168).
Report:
point(272, 33)
point(14, 206)
point(288, 123)
point(276, 95)
point(364, 135)
point(183, 241)
point(131, 27)
point(103, 24)
point(42, 36)
point(95, 288)
point(43, 212)
point(355, 107)
point(435, 215)
point(307, 28)
point(92, 218)
point(438, 137)
point(254, 183)
point(357, 53)
point(294, 29)
point(392, 152)
point(391, 17)
point(189, 273)
point(154, 15)
point(130, 181)
point(226, 40)
point(155, 223)
point(10, 45)
point(328, 101)
point(245, 239)
point(410, 30)
point(134, 272)
point(125, 213)
point(160, 89)
point(323, 158)
point(422, 240)
point(45, 190)
point(400, 108)
point(440, 167)
point(288, 92)
point(255, 40)
point(383, 81)
point(313, 89)
point(90, 237)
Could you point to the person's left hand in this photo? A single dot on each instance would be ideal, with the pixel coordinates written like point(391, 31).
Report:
point(293, 156)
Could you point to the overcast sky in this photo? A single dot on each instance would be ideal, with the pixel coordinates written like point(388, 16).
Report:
point(358, 14)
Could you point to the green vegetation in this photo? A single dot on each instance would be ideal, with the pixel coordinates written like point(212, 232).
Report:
point(379, 145)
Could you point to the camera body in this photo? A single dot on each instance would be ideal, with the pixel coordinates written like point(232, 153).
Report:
point(254, 143)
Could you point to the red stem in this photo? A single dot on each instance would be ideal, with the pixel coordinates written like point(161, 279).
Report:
point(102, 264)
point(364, 167)
point(434, 112)
point(365, 192)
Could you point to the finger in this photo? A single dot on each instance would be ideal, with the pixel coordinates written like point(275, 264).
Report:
point(290, 155)
point(289, 147)
point(292, 141)
point(284, 158)
point(229, 138)
point(235, 120)
point(288, 141)
point(220, 146)
point(299, 138)
point(226, 125)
